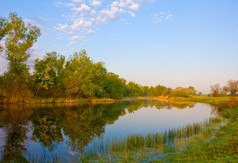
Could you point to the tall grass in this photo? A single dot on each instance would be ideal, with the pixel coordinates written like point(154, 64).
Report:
point(137, 142)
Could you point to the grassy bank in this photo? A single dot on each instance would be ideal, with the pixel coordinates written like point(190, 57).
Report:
point(222, 147)
point(215, 101)
point(59, 100)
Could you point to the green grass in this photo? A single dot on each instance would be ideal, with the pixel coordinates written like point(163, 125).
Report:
point(139, 148)
point(215, 101)
point(52, 100)
point(223, 147)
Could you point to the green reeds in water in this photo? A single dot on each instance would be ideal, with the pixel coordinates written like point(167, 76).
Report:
point(133, 143)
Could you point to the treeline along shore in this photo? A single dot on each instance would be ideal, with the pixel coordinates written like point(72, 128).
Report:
point(55, 79)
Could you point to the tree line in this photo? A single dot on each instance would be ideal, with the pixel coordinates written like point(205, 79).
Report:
point(54, 76)
point(231, 88)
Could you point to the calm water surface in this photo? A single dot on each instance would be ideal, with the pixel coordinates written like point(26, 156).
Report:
point(47, 132)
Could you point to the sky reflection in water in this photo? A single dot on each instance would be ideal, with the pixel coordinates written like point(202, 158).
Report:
point(45, 131)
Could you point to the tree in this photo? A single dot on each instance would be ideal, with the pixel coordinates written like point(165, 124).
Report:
point(232, 87)
point(225, 90)
point(191, 90)
point(115, 86)
point(168, 92)
point(49, 74)
point(134, 89)
point(159, 90)
point(216, 90)
point(84, 77)
point(4, 28)
point(19, 38)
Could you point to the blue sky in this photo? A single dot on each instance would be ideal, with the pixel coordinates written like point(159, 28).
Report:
point(168, 42)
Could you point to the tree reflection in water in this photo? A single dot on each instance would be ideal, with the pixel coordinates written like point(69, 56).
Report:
point(52, 124)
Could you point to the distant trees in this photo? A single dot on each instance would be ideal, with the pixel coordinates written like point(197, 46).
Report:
point(181, 92)
point(133, 89)
point(115, 86)
point(231, 87)
point(216, 90)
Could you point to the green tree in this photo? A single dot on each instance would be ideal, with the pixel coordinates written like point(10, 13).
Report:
point(19, 38)
point(134, 89)
point(49, 74)
point(4, 28)
point(115, 86)
point(159, 90)
point(84, 77)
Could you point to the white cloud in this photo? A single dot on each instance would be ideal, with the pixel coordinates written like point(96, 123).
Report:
point(132, 13)
point(88, 31)
point(71, 43)
point(161, 16)
point(82, 8)
point(96, 3)
point(168, 17)
point(43, 19)
point(80, 22)
point(76, 37)
point(70, 5)
point(125, 3)
point(28, 21)
point(61, 27)
point(100, 20)
point(134, 6)
point(115, 4)
point(77, 1)
point(112, 13)
point(85, 17)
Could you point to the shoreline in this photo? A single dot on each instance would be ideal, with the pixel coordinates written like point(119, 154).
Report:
point(201, 99)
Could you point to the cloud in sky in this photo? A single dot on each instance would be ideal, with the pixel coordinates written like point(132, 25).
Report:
point(161, 16)
point(85, 17)
point(61, 27)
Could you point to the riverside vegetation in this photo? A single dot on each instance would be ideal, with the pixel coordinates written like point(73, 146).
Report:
point(57, 80)
point(79, 80)
point(54, 79)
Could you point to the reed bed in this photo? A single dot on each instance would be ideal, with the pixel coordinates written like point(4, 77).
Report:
point(118, 149)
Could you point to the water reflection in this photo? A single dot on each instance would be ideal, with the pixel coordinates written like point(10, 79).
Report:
point(54, 129)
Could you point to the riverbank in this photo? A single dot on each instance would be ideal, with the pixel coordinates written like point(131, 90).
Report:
point(178, 100)
point(59, 101)
point(213, 141)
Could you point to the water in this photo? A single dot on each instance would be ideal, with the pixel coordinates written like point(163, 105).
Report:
point(64, 132)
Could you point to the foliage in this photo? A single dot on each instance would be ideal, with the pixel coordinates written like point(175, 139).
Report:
point(115, 86)
point(181, 92)
point(231, 86)
point(216, 90)
point(48, 75)
point(19, 38)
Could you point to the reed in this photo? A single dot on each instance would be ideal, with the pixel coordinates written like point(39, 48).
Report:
point(122, 149)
